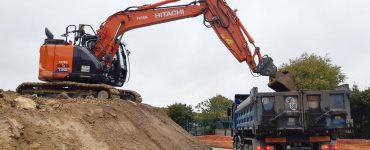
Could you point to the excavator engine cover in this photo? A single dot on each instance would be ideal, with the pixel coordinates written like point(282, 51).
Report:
point(282, 82)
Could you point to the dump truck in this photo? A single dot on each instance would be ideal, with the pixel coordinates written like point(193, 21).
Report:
point(293, 120)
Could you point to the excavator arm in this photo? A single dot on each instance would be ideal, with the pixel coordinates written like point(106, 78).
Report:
point(217, 14)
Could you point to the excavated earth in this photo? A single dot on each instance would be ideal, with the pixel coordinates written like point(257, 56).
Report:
point(29, 122)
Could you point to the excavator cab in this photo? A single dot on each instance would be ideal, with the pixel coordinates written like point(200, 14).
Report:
point(72, 59)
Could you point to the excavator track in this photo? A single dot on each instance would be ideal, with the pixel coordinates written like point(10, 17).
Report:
point(67, 89)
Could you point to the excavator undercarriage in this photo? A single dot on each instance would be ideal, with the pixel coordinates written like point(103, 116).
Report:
point(67, 89)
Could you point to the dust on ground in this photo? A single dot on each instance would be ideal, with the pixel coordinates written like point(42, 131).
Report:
point(226, 142)
point(29, 122)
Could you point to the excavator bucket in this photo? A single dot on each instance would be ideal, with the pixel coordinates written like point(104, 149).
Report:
point(282, 82)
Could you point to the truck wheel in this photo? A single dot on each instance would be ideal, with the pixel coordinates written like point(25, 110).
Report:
point(247, 147)
point(237, 144)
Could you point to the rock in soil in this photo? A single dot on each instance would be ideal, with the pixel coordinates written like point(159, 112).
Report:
point(25, 103)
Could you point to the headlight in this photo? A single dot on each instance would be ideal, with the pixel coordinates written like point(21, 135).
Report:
point(292, 102)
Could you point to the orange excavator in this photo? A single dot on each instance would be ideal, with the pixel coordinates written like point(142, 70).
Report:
point(93, 64)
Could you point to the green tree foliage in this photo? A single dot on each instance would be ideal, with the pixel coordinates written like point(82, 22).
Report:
point(182, 114)
point(215, 107)
point(314, 72)
point(360, 111)
point(205, 122)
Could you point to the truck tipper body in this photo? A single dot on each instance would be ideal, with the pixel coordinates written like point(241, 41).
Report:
point(303, 120)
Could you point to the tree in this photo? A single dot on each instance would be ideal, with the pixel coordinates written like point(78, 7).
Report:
point(314, 72)
point(360, 111)
point(215, 107)
point(182, 114)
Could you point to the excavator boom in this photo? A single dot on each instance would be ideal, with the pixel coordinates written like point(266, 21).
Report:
point(217, 14)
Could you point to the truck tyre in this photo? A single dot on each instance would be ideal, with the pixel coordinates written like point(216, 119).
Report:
point(247, 147)
point(237, 143)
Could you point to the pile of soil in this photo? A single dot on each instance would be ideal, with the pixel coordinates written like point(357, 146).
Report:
point(29, 122)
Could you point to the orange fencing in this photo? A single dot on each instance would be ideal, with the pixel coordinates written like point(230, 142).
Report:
point(353, 144)
point(217, 140)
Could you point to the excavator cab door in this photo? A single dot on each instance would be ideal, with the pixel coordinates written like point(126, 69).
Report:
point(119, 67)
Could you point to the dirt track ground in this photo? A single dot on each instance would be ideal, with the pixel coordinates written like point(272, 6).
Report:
point(88, 124)
point(226, 142)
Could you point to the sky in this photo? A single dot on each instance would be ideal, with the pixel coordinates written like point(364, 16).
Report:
point(183, 61)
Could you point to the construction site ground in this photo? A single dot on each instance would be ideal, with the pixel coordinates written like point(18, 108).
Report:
point(227, 142)
point(30, 122)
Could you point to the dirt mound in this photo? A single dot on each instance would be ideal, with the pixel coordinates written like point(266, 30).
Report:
point(39, 123)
